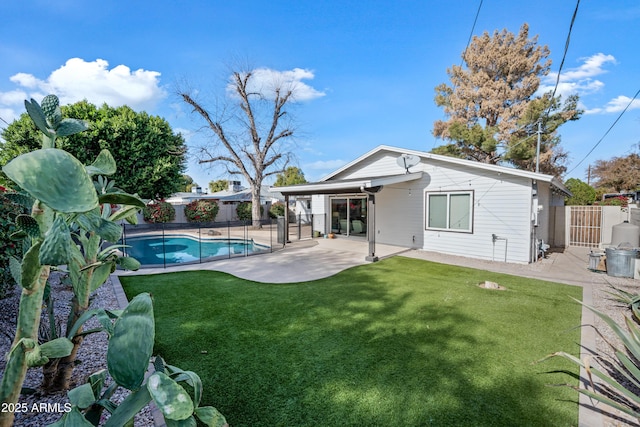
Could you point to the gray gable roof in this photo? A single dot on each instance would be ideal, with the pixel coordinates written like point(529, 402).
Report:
point(330, 182)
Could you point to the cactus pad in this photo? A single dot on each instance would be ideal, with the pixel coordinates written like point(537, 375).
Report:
point(37, 115)
point(30, 267)
point(59, 347)
point(131, 345)
point(49, 104)
point(210, 416)
point(104, 164)
point(55, 247)
point(70, 126)
point(29, 225)
point(172, 400)
point(54, 177)
point(23, 200)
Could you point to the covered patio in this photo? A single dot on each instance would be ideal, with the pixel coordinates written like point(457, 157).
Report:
point(352, 205)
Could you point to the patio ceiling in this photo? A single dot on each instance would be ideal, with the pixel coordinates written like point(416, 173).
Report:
point(345, 186)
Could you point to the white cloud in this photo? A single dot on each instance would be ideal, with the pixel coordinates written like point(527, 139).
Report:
point(620, 103)
point(578, 80)
point(7, 115)
point(325, 164)
point(266, 81)
point(581, 81)
point(25, 80)
point(94, 81)
point(592, 66)
point(14, 97)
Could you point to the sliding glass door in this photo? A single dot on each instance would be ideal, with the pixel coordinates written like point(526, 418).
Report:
point(349, 216)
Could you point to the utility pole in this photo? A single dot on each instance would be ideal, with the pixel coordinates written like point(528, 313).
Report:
point(538, 146)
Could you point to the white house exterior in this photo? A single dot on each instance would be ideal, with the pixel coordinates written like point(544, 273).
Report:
point(441, 204)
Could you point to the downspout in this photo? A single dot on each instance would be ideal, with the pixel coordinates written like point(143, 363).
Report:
point(371, 220)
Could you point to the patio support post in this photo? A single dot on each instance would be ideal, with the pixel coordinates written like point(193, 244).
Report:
point(286, 219)
point(371, 227)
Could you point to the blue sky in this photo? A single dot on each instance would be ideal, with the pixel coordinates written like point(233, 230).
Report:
point(370, 68)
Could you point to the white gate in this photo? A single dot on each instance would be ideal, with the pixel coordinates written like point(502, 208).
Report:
point(585, 226)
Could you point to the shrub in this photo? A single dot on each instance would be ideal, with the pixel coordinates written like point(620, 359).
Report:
point(159, 211)
point(583, 193)
point(201, 211)
point(244, 211)
point(622, 201)
point(8, 247)
point(276, 210)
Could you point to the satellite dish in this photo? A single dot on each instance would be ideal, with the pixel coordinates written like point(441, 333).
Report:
point(407, 160)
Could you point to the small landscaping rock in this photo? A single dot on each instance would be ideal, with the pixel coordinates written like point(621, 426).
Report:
point(491, 285)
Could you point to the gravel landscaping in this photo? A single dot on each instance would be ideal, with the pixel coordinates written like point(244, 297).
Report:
point(91, 356)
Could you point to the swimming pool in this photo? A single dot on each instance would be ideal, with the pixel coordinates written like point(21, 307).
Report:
point(176, 249)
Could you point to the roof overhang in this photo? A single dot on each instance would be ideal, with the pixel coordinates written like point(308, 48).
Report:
point(356, 185)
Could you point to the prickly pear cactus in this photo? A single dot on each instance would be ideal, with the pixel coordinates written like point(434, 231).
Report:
point(170, 397)
point(63, 191)
point(28, 225)
point(48, 119)
point(131, 345)
point(51, 108)
point(54, 177)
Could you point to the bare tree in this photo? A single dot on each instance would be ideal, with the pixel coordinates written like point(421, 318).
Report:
point(251, 135)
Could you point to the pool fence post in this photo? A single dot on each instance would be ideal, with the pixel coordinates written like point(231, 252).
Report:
point(164, 252)
point(200, 242)
point(246, 236)
point(229, 238)
point(124, 239)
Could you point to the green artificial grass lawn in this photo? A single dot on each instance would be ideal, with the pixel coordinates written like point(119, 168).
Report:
point(401, 342)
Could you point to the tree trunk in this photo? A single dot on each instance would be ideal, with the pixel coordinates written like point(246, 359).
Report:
point(61, 377)
point(57, 372)
point(255, 206)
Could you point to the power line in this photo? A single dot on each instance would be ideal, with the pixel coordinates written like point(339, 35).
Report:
point(607, 132)
point(555, 88)
point(564, 55)
point(464, 53)
point(473, 27)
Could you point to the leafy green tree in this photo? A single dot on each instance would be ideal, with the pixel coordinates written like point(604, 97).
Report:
point(219, 185)
point(583, 193)
point(245, 212)
point(187, 183)
point(9, 247)
point(150, 157)
point(291, 176)
point(490, 98)
point(521, 150)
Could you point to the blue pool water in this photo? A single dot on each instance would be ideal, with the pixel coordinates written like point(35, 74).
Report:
point(153, 250)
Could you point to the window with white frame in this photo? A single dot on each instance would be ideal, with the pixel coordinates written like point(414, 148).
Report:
point(450, 211)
